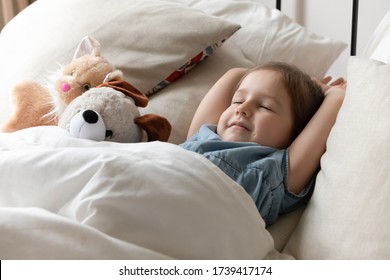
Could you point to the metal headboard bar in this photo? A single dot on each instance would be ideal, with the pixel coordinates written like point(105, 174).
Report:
point(279, 5)
point(355, 13)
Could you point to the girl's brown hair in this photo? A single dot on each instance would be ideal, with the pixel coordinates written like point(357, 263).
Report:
point(306, 95)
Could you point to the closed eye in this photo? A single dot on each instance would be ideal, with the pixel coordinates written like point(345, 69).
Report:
point(238, 101)
point(266, 108)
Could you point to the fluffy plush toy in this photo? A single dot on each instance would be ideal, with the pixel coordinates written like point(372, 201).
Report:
point(36, 104)
point(110, 112)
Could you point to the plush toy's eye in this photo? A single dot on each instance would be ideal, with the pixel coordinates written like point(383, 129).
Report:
point(86, 87)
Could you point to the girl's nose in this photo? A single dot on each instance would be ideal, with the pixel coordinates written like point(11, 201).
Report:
point(243, 110)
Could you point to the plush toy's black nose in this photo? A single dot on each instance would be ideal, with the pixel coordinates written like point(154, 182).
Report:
point(90, 116)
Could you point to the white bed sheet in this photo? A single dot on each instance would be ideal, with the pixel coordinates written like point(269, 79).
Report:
point(130, 200)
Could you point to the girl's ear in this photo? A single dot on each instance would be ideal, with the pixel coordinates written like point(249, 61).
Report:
point(88, 45)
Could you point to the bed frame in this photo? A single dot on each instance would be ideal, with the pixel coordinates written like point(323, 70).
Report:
point(354, 25)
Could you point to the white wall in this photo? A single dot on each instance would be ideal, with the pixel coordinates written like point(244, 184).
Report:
point(333, 18)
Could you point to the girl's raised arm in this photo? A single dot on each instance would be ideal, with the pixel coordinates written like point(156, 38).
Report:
point(306, 150)
point(217, 99)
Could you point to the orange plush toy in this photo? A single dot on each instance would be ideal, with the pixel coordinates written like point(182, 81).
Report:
point(36, 104)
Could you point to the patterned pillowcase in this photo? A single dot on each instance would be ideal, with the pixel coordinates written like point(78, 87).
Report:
point(185, 68)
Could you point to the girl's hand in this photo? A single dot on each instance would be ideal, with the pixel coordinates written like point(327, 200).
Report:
point(337, 87)
point(324, 83)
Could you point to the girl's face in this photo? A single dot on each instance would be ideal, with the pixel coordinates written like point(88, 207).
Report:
point(260, 112)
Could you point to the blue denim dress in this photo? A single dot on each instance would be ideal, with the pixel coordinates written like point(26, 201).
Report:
point(261, 171)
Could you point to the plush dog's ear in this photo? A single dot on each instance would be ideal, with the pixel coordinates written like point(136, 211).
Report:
point(114, 75)
point(129, 90)
point(88, 45)
point(157, 127)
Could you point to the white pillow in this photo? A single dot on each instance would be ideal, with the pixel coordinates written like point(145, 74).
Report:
point(149, 40)
point(348, 215)
point(268, 34)
point(379, 45)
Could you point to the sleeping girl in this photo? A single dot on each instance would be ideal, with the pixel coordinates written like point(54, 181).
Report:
point(266, 127)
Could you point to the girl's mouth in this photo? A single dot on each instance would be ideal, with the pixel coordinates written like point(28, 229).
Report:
point(239, 125)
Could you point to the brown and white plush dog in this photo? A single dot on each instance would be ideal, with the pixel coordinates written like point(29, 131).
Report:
point(36, 104)
point(110, 112)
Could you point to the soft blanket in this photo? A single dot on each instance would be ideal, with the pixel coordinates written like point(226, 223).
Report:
point(67, 198)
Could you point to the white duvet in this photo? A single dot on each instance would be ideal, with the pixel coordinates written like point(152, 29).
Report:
point(66, 198)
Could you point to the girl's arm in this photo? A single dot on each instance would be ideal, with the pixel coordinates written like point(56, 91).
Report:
point(306, 150)
point(217, 99)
